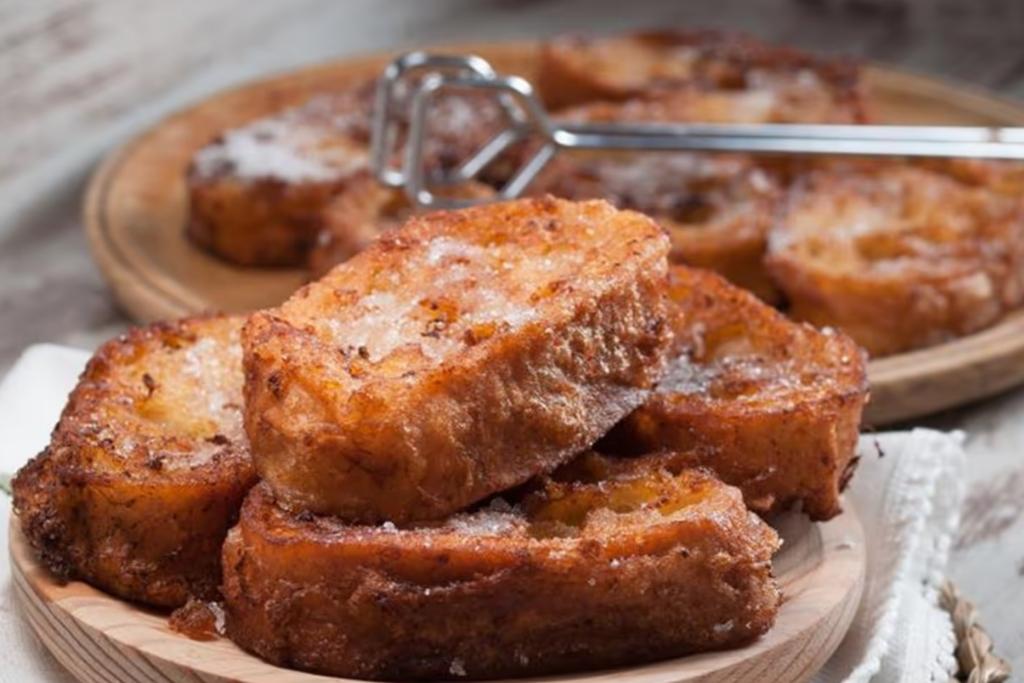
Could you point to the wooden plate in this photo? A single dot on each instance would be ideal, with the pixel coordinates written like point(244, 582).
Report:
point(101, 639)
point(137, 204)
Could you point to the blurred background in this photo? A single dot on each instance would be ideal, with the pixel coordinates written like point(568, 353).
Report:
point(79, 76)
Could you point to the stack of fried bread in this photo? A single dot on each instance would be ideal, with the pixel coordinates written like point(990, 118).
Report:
point(147, 467)
point(499, 441)
point(835, 244)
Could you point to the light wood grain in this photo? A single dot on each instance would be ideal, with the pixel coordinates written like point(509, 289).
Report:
point(137, 205)
point(99, 638)
point(923, 382)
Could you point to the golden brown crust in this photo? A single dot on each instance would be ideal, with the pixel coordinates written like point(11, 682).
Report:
point(770, 103)
point(361, 213)
point(897, 256)
point(579, 574)
point(574, 70)
point(1004, 177)
point(769, 405)
point(259, 222)
point(257, 191)
point(456, 357)
point(717, 209)
point(147, 467)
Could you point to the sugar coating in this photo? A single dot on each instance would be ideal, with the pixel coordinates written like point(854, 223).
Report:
point(327, 138)
point(190, 393)
point(312, 143)
point(457, 668)
point(690, 190)
point(486, 523)
point(745, 368)
point(213, 365)
point(477, 290)
point(893, 222)
point(541, 319)
point(742, 379)
point(724, 627)
point(684, 376)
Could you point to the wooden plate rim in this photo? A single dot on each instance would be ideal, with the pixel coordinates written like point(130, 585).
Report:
point(841, 543)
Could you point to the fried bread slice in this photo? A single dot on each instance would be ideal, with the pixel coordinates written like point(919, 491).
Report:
point(1004, 177)
point(897, 256)
point(717, 209)
point(574, 70)
point(579, 573)
point(362, 212)
point(456, 357)
point(147, 468)
point(769, 102)
point(257, 191)
point(771, 406)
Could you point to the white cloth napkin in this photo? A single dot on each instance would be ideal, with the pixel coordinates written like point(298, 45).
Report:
point(907, 492)
point(31, 398)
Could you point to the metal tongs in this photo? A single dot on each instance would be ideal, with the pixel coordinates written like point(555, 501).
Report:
point(415, 81)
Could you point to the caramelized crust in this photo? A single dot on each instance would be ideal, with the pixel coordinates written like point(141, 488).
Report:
point(456, 357)
point(898, 256)
point(1004, 177)
point(717, 209)
point(771, 406)
point(257, 192)
point(361, 213)
point(769, 102)
point(147, 468)
point(575, 70)
point(577, 574)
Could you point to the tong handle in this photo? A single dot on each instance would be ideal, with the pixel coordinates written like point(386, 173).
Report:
point(786, 138)
point(527, 117)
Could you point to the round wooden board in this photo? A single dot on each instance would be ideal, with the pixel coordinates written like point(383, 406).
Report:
point(137, 204)
point(821, 569)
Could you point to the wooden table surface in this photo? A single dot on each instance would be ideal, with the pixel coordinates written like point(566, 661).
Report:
point(79, 76)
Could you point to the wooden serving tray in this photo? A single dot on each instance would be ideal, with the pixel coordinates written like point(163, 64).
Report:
point(137, 204)
point(100, 639)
